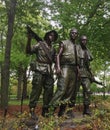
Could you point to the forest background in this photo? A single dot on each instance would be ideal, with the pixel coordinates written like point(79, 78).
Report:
point(90, 17)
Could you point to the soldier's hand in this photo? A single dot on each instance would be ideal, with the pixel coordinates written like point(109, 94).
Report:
point(58, 71)
point(29, 35)
point(92, 78)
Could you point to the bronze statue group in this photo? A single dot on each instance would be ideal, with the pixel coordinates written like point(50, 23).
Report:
point(72, 67)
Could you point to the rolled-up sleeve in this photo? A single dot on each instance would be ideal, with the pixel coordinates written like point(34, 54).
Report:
point(34, 48)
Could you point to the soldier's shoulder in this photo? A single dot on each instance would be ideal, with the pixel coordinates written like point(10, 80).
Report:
point(79, 46)
point(65, 41)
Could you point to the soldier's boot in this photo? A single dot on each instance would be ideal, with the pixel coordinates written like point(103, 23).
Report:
point(86, 110)
point(70, 114)
point(45, 112)
point(33, 114)
point(61, 110)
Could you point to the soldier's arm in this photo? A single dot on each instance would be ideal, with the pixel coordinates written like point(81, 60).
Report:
point(59, 57)
point(31, 34)
point(28, 45)
point(91, 73)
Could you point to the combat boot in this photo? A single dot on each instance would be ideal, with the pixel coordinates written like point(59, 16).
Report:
point(86, 110)
point(70, 114)
point(33, 115)
point(61, 110)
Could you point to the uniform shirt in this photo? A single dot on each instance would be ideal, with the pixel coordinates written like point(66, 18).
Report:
point(42, 61)
point(68, 55)
point(85, 59)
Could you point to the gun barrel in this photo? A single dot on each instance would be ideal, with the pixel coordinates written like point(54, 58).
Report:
point(100, 83)
point(97, 82)
point(33, 34)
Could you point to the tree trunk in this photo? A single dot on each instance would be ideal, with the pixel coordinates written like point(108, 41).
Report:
point(10, 6)
point(20, 78)
point(25, 83)
point(22, 83)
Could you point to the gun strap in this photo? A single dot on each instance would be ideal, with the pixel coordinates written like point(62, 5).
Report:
point(76, 61)
point(46, 51)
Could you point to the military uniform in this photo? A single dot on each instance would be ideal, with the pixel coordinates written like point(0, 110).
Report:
point(85, 73)
point(42, 77)
point(66, 80)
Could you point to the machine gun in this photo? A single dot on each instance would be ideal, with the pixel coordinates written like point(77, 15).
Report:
point(33, 34)
point(94, 80)
point(97, 82)
point(38, 39)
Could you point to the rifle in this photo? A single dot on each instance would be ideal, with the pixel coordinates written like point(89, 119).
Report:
point(97, 82)
point(38, 39)
point(94, 80)
point(33, 34)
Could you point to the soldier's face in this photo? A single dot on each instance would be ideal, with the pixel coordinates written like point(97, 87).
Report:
point(84, 40)
point(52, 37)
point(73, 34)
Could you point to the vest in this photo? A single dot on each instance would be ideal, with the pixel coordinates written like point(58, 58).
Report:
point(68, 55)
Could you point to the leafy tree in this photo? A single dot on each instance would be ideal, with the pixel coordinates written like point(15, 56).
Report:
point(16, 61)
point(91, 18)
point(11, 7)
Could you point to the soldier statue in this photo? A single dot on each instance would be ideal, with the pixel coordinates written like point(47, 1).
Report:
point(42, 73)
point(67, 63)
point(86, 74)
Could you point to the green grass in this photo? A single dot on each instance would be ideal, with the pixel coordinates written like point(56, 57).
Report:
point(18, 102)
point(14, 101)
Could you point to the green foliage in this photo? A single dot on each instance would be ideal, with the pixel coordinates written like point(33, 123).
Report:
point(100, 119)
point(90, 18)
